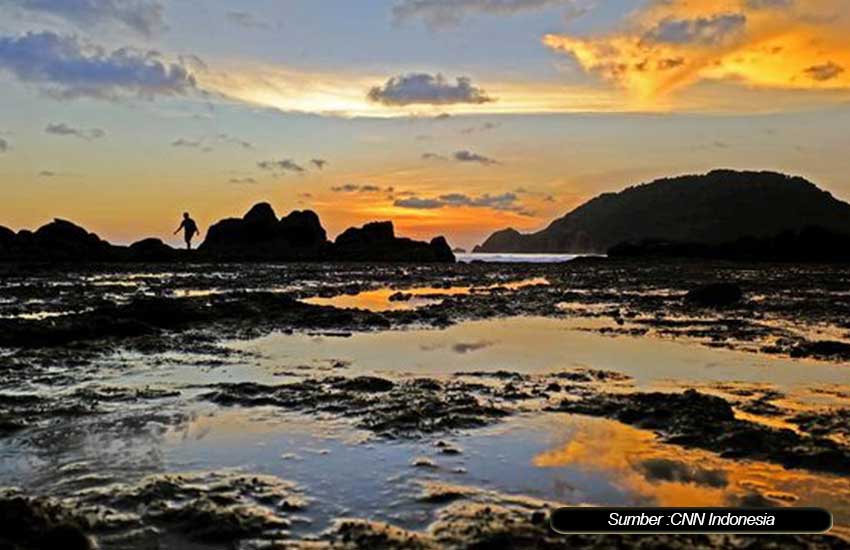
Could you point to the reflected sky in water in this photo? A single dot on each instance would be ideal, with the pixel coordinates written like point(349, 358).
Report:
point(536, 345)
point(390, 299)
point(346, 472)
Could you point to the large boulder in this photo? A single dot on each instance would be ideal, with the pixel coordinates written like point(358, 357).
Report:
point(376, 242)
point(7, 241)
point(152, 250)
point(303, 229)
point(261, 215)
point(371, 234)
point(441, 250)
point(259, 235)
point(61, 240)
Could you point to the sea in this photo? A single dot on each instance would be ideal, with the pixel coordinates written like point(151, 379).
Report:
point(520, 258)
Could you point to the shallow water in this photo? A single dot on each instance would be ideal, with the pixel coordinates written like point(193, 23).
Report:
point(343, 470)
point(391, 299)
point(519, 258)
point(538, 345)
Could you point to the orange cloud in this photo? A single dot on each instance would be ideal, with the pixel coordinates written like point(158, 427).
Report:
point(673, 44)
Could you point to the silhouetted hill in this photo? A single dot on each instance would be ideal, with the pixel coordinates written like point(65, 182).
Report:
point(257, 236)
point(722, 206)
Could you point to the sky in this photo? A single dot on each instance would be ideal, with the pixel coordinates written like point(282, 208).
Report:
point(448, 117)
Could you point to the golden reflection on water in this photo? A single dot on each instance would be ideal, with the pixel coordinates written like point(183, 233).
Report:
point(379, 299)
point(654, 473)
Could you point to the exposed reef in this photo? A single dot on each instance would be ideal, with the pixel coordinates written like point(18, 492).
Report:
point(390, 409)
point(143, 317)
point(210, 509)
point(694, 419)
point(477, 519)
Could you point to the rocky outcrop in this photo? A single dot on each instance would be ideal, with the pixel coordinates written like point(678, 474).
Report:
point(377, 242)
point(60, 240)
point(260, 235)
point(7, 240)
point(719, 207)
point(257, 236)
point(152, 250)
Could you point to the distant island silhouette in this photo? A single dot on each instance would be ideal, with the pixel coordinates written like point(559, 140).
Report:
point(724, 213)
point(257, 236)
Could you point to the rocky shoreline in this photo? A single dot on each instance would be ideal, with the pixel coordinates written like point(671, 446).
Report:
point(60, 326)
point(787, 311)
point(259, 511)
point(258, 236)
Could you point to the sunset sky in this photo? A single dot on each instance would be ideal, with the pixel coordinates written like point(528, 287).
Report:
point(454, 117)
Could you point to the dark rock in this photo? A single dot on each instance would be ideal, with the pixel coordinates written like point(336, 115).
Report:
point(822, 349)
point(39, 523)
point(62, 232)
point(60, 240)
point(423, 462)
point(694, 419)
point(152, 250)
point(715, 295)
point(442, 251)
point(498, 374)
point(538, 517)
point(261, 215)
point(67, 537)
point(366, 384)
point(592, 375)
point(259, 235)
point(829, 423)
point(375, 233)
point(303, 229)
point(149, 316)
point(7, 240)
point(218, 509)
point(447, 448)
point(377, 242)
point(761, 407)
point(395, 410)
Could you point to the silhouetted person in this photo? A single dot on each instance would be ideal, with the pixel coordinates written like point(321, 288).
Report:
point(190, 229)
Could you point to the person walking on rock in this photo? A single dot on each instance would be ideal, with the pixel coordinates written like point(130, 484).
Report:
point(190, 229)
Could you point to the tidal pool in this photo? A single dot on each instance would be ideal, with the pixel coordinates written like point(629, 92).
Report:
point(344, 471)
point(390, 299)
point(535, 345)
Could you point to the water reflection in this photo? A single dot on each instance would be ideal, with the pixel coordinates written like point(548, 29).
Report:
point(538, 345)
point(390, 299)
point(654, 474)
